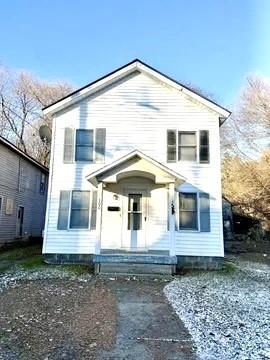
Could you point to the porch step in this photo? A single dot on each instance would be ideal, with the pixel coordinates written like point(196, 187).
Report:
point(135, 269)
point(135, 259)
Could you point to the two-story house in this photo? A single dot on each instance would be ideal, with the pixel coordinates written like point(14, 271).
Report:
point(23, 194)
point(135, 173)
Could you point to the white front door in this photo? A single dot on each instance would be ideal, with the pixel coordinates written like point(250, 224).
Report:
point(134, 220)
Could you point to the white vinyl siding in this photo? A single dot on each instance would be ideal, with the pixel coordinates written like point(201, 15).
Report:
point(137, 112)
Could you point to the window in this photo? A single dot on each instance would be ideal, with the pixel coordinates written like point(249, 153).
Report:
point(9, 206)
point(84, 145)
point(182, 146)
point(42, 185)
point(89, 146)
point(204, 146)
point(188, 211)
point(79, 212)
point(187, 149)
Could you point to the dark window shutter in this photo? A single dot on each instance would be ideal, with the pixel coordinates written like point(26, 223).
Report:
point(100, 144)
point(94, 210)
point(68, 145)
point(171, 145)
point(63, 210)
point(204, 212)
point(204, 146)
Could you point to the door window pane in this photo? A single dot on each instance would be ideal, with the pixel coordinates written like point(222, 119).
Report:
point(134, 221)
point(134, 211)
point(134, 202)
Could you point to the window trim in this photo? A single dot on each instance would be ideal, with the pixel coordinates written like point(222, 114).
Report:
point(94, 146)
point(197, 134)
point(192, 146)
point(89, 216)
point(198, 212)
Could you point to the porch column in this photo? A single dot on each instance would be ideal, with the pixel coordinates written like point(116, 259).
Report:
point(99, 217)
point(172, 219)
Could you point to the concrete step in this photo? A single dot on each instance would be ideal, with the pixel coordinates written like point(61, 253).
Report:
point(135, 259)
point(134, 269)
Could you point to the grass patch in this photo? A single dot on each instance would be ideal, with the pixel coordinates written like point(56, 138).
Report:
point(33, 262)
point(77, 269)
point(228, 267)
point(20, 252)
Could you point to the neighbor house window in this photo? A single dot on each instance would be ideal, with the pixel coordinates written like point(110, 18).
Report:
point(79, 212)
point(84, 145)
point(42, 184)
point(188, 211)
point(187, 148)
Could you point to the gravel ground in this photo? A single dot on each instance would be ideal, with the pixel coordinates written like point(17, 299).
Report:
point(227, 314)
point(54, 315)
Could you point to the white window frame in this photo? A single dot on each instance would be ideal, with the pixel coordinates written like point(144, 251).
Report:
point(90, 211)
point(94, 147)
point(177, 146)
point(197, 135)
point(198, 212)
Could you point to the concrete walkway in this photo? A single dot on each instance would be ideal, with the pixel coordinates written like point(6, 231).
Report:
point(147, 327)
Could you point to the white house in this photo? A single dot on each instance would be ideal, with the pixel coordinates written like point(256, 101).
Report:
point(135, 173)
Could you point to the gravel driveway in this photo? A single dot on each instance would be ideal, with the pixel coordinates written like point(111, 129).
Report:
point(227, 314)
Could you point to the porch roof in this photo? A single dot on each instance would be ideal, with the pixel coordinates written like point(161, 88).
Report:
point(134, 164)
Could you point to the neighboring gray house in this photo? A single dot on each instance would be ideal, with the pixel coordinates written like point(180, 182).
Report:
point(23, 193)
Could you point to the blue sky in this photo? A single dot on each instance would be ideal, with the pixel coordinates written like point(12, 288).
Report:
point(213, 44)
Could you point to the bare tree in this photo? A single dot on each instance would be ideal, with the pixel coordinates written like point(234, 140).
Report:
point(22, 96)
point(245, 143)
point(247, 131)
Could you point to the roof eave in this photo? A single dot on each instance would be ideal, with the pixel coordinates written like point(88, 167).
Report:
point(123, 71)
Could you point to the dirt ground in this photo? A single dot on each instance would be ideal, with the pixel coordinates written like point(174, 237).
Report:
point(93, 319)
point(56, 319)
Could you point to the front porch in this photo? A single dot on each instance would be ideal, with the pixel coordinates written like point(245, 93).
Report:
point(135, 212)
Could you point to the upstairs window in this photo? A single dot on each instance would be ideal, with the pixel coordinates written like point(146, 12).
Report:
point(88, 146)
point(187, 147)
point(182, 146)
point(84, 145)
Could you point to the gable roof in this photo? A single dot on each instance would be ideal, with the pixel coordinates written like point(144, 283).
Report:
point(19, 152)
point(135, 65)
point(93, 177)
